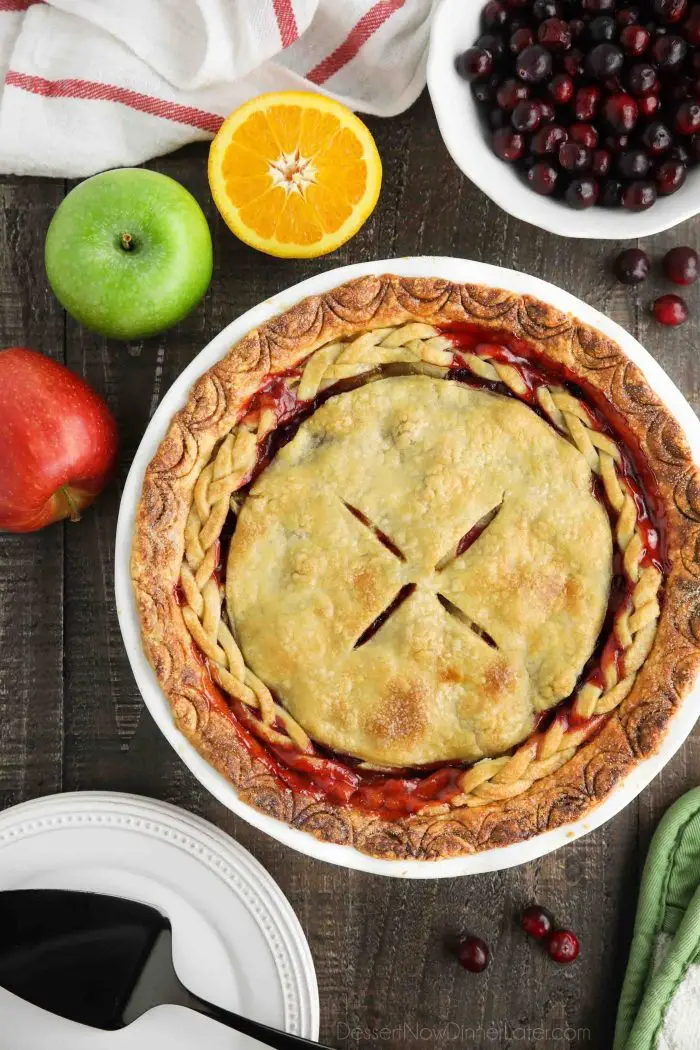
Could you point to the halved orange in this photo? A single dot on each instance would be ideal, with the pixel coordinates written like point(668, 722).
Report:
point(294, 174)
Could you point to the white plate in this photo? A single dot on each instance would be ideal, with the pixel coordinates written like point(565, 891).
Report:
point(455, 270)
point(455, 28)
point(236, 940)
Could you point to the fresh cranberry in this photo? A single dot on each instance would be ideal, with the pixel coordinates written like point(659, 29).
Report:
point(511, 92)
point(521, 39)
point(507, 144)
point(574, 157)
point(494, 15)
point(691, 29)
point(633, 163)
point(638, 196)
point(586, 102)
point(632, 266)
point(688, 118)
point(543, 178)
point(621, 112)
point(546, 111)
point(682, 265)
point(563, 946)
point(604, 60)
point(483, 91)
point(573, 62)
point(494, 44)
point(498, 118)
point(616, 143)
point(576, 27)
point(681, 89)
point(582, 193)
point(561, 88)
point(670, 10)
point(635, 40)
point(527, 116)
point(537, 922)
point(596, 6)
point(611, 194)
point(613, 85)
point(474, 62)
point(601, 163)
point(679, 152)
point(602, 28)
point(473, 954)
point(554, 33)
point(548, 139)
point(586, 134)
point(657, 138)
point(534, 64)
point(648, 105)
point(627, 16)
point(670, 310)
point(642, 78)
point(543, 9)
point(670, 177)
point(669, 52)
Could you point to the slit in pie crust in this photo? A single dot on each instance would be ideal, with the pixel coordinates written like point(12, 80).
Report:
point(417, 568)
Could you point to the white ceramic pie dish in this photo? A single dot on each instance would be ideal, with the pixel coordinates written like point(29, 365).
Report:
point(455, 27)
point(491, 860)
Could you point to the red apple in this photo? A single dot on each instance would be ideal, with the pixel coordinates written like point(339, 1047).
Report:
point(58, 441)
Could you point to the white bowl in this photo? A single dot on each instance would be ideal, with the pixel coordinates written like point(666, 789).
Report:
point(491, 860)
point(456, 25)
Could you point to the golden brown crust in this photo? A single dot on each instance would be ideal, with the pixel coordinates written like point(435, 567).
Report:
point(635, 729)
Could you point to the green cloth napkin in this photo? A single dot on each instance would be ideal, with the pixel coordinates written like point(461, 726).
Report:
point(660, 1002)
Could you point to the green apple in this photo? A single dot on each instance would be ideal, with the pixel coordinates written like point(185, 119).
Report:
point(128, 253)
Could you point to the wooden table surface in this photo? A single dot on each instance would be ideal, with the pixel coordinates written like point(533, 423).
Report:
point(71, 717)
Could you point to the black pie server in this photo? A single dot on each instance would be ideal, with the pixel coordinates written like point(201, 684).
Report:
point(102, 961)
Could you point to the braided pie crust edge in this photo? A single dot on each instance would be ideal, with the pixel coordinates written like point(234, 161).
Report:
point(632, 732)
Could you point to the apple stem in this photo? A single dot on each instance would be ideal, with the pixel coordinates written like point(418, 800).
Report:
point(127, 242)
point(72, 505)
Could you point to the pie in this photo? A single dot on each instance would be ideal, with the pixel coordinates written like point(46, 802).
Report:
point(417, 567)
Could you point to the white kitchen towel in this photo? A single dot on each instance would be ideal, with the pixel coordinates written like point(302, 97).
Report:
point(94, 84)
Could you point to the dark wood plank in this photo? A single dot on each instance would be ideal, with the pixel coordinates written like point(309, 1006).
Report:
point(31, 567)
point(383, 948)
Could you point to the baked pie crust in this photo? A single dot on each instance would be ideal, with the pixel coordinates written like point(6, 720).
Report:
point(417, 567)
point(423, 459)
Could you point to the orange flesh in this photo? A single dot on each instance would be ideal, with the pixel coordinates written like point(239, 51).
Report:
point(294, 174)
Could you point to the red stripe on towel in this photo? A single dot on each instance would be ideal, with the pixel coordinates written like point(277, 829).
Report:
point(358, 35)
point(92, 90)
point(286, 21)
point(18, 5)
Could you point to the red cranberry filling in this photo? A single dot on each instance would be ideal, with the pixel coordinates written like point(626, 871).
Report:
point(628, 74)
point(339, 779)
